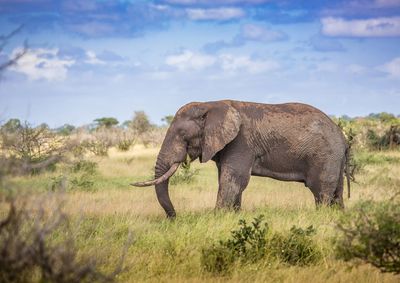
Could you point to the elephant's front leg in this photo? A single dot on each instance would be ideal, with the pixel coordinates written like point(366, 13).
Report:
point(234, 176)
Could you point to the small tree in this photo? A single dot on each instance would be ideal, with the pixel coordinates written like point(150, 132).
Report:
point(106, 122)
point(65, 130)
point(140, 123)
point(11, 126)
point(32, 149)
point(387, 117)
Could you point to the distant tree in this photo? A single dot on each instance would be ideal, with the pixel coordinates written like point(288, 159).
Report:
point(386, 117)
point(140, 123)
point(12, 125)
point(373, 116)
point(168, 119)
point(44, 126)
point(126, 124)
point(346, 118)
point(65, 130)
point(106, 122)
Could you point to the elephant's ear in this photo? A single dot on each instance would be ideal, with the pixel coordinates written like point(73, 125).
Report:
point(222, 124)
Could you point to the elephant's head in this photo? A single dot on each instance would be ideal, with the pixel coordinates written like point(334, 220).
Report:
point(199, 130)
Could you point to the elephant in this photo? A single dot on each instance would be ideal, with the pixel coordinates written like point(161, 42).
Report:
point(287, 142)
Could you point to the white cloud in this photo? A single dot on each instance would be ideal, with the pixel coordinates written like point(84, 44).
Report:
point(189, 60)
point(92, 59)
point(231, 63)
point(42, 63)
point(376, 27)
point(391, 68)
point(259, 33)
point(220, 14)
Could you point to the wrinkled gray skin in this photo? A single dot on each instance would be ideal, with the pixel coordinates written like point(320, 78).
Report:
point(288, 142)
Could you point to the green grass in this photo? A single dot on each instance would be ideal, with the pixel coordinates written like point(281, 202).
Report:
point(170, 251)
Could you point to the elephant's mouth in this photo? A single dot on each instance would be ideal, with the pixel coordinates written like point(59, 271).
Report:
point(159, 180)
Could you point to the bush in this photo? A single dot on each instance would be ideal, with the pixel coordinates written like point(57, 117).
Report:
point(86, 166)
point(83, 181)
point(97, 147)
point(388, 140)
point(29, 252)
point(30, 149)
point(295, 248)
point(85, 172)
point(251, 243)
point(247, 244)
point(125, 139)
point(371, 233)
point(82, 177)
point(374, 141)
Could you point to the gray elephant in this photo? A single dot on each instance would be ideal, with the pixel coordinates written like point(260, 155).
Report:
point(288, 142)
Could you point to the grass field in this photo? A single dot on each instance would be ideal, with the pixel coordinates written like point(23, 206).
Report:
point(169, 251)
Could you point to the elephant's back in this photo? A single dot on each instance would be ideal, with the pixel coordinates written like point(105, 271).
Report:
point(300, 128)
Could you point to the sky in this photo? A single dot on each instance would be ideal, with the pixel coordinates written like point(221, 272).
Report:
point(90, 59)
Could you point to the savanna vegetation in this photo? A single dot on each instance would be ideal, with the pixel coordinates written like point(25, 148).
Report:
point(68, 214)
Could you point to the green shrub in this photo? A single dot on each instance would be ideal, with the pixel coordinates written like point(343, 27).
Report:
point(376, 142)
point(83, 181)
point(82, 177)
point(58, 183)
point(296, 247)
point(89, 167)
point(254, 242)
point(371, 233)
point(246, 244)
point(249, 241)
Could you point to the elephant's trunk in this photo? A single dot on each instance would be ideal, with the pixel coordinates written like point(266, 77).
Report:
point(173, 152)
point(161, 183)
point(161, 173)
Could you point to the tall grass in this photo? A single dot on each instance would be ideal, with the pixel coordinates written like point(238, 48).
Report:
point(170, 251)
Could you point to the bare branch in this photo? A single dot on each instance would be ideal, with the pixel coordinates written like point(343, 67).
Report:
point(3, 42)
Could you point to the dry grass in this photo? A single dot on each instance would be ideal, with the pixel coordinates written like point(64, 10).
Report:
point(170, 251)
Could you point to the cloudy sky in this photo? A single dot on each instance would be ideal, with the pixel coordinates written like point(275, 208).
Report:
point(89, 59)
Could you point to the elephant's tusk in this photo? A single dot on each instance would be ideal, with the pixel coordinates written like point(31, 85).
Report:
point(159, 180)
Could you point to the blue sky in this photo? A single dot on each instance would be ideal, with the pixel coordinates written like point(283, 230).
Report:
point(90, 59)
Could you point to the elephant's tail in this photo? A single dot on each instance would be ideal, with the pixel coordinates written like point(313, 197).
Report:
point(347, 168)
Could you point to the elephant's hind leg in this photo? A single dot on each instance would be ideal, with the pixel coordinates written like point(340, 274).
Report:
point(338, 195)
point(324, 186)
